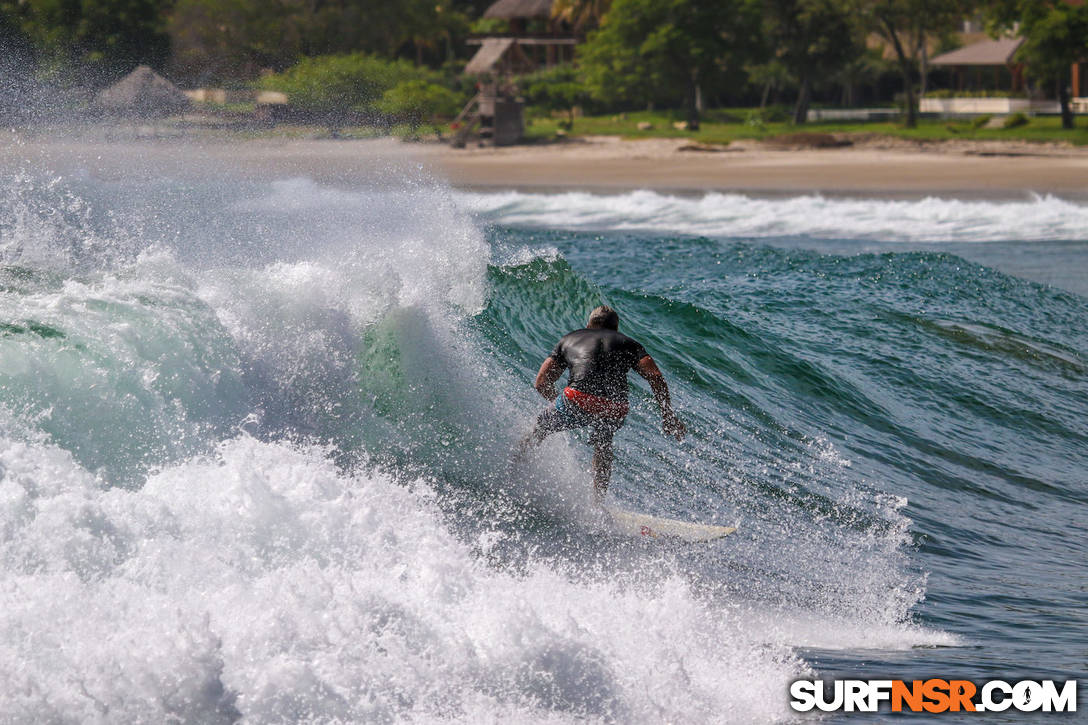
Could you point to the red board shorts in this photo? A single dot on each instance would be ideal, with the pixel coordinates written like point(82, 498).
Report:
point(575, 409)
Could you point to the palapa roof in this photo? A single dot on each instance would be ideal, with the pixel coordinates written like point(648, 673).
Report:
point(489, 55)
point(513, 9)
point(986, 52)
point(143, 92)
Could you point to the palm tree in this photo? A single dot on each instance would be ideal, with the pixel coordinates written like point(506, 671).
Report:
point(582, 15)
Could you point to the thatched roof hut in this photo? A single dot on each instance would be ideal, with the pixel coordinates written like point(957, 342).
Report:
point(519, 9)
point(527, 44)
point(144, 93)
point(499, 56)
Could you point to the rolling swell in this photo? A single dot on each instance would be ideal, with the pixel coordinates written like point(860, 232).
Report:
point(949, 383)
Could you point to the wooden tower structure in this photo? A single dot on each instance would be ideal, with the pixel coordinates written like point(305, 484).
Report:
point(535, 40)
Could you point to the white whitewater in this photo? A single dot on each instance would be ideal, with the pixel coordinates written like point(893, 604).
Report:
point(1040, 218)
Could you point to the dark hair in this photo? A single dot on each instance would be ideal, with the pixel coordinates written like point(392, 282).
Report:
point(604, 316)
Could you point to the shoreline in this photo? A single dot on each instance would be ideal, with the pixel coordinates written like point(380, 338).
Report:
point(876, 168)
point(983, 171)
point(775, 194)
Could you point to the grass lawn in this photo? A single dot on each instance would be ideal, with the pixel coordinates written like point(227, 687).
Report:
point(724, 126)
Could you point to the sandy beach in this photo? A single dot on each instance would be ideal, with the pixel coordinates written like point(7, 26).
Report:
point(878, 167)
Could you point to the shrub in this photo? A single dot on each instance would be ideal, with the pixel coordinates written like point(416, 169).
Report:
point(945, 93)
point(1016, 120)
point(755, 119)
point(980, 121)
point(418, 102)
point(776, 114)
point(722, 117)
point(759, 118)
point(555, 89)
point(337, 84)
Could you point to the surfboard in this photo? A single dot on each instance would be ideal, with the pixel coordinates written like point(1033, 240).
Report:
point(630, 523)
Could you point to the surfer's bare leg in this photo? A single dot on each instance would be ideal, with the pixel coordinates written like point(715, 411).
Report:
point(602, 462)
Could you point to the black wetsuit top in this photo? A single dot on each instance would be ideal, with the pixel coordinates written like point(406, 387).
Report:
point(598, 360)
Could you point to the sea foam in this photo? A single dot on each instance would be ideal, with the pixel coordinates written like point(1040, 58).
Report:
point(1039, 218)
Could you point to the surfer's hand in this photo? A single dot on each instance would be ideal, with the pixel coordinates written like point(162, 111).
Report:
point(673, 426)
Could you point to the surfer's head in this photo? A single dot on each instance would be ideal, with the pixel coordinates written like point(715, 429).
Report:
point(604, 316)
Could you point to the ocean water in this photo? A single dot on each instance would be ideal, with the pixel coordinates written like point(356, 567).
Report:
point(254, 441)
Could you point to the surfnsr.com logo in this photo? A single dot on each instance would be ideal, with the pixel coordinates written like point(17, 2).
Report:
point(934, 695)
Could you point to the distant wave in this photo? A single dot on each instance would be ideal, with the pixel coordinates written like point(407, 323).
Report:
point(1041, 218)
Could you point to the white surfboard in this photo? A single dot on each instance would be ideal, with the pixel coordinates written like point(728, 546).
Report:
point(655, 527)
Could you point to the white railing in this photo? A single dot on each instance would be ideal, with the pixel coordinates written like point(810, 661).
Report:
point(998, 106)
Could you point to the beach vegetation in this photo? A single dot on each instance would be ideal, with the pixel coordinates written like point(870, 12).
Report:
point(92, 42)
point(557, 89)
point(215, 41)
point(905, 26)
point(734, 66)
point(1016, 120)
point(581, 15)
point(419, 103)
point(810, 40)
point(489, 26)
point(1055, 37)
point(980, 121)
point(1041, 129)
point(649, 51)
point(339, 89)
point(982, 93)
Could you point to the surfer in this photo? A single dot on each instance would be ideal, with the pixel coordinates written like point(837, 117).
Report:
point(598, 357)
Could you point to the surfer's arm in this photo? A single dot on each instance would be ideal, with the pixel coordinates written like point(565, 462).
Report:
point(672, 425)
point(550, 371)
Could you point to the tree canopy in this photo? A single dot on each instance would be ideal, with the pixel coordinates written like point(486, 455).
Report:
point(906, 25)
point(812, 39)
point(651, 49)
point(353, 81)
point(1055, 37)
point(671, 53)
point(91, 41)
point(555, 89)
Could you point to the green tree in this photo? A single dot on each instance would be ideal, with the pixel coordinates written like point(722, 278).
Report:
point(771, 75)
point(216, 41)
point(581, 15)
point(651, 48)
point(418, 103)
point(333, 85)
point(813, 40)
point(94, 41)
point(905, 25)
point(431, 27)
point(124, 32)
point(1055, 37)
point(555, 89)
